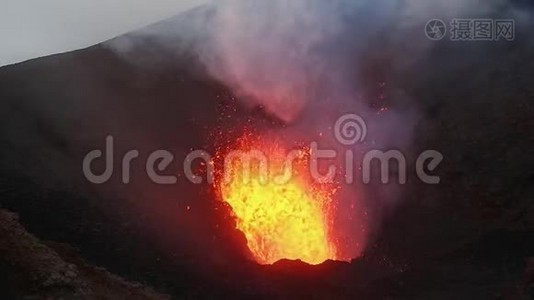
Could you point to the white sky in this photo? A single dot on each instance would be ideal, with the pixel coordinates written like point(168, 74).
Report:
point(34, 28)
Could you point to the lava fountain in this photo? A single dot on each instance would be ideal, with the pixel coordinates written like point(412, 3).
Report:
point(282, 211)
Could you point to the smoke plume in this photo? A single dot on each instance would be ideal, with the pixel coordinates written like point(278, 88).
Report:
point(308, 62)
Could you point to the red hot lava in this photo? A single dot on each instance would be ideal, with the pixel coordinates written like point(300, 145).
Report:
point(282, 211)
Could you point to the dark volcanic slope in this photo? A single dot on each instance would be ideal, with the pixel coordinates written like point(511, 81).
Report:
point(58, 108)
point(468, 238)
point(33, 269)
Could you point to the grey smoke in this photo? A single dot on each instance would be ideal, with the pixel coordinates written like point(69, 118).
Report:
point(298, 60)
point(273, 53)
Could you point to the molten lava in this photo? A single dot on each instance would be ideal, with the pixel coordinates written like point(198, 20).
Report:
point(282, 211)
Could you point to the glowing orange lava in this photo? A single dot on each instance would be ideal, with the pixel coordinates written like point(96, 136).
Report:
point(282, 211)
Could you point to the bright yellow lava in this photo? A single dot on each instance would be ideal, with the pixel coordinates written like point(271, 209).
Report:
point(280, 220)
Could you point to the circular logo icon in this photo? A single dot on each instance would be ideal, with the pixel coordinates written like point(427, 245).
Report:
point(350, 129)
point(435, 29)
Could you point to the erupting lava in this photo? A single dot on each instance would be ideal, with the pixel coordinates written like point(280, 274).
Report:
point(282, 211)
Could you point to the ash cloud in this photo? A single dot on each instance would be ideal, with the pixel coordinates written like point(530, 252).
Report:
point(302, 61)
point(307, 62)
point(267, 51)
point(277, 54)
